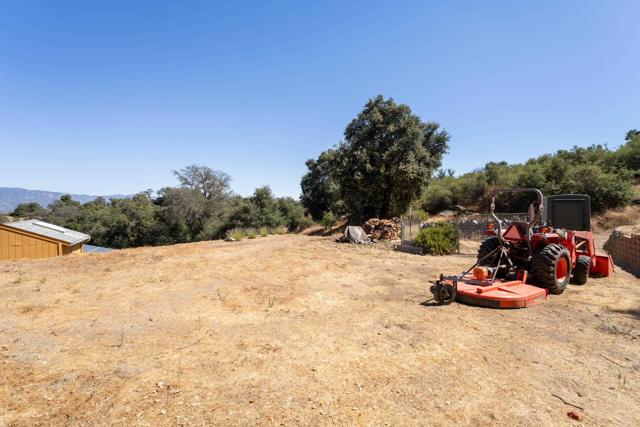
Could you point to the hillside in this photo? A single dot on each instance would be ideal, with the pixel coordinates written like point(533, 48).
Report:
point(12, 197)
point(611, 177)
point(298, 330)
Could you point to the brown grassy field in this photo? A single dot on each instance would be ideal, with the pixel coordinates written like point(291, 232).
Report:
point(298, 330)
point(625, 217)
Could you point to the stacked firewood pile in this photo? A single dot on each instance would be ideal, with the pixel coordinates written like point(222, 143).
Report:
point(382, 229)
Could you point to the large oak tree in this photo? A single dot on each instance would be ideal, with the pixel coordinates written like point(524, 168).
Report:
point(383, 164)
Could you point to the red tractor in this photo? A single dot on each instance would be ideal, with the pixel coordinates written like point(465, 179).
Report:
point(518, 265)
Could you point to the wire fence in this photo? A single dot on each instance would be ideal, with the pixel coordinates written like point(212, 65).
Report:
point(409, 228)
point(474, 227)
point(468, 227)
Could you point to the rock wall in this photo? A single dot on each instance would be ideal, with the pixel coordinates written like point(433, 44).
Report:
point(624, 248)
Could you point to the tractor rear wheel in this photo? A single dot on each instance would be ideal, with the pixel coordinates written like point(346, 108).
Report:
point(581, 270)
point(486, 247)
point(551, 268)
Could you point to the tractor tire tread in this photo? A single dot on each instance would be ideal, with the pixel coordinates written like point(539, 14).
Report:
point(581, 270)
point(487, 246)
point(543, 268)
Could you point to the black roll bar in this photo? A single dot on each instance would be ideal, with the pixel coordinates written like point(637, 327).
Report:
point(537, 215)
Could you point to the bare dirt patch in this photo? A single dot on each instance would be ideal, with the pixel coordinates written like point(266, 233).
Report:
point(298, 330)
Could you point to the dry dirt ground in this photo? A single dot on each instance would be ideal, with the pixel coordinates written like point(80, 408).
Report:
point(298, 330)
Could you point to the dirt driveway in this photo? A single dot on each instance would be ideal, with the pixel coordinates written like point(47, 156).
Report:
point(297, 330)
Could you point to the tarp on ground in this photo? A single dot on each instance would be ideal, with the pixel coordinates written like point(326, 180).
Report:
point(355, 234)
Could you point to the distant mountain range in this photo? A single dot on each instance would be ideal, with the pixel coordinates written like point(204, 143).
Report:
point(12, 197)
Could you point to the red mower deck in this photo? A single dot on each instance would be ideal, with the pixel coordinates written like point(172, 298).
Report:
point(499, 294)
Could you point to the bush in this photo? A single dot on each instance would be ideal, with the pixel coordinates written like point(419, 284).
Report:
point(328, 220)
point(251, 234)
point(29, 210)
point(629, 153)
point(292, 213)
point(319, 190)
point(213, 229)
point(266, 212)
point(279, 230)
point(437, 197)
point(419, 214)
point(264, 232)
point(438, 239)
point(236, 234)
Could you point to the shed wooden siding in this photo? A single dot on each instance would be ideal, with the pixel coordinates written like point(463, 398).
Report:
point(66, 249)
point(16, 245)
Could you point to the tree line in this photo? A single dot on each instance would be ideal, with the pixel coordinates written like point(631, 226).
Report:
point(390, 160)
point(609, 177)
point(203, 207)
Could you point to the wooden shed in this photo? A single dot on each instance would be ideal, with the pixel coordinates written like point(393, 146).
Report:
point(38, 239)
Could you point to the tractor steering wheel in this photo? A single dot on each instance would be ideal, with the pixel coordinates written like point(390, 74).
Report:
point(538, 225)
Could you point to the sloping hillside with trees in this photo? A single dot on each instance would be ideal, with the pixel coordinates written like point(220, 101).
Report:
point(389, 160)
point(202, 208)
point(607, 176)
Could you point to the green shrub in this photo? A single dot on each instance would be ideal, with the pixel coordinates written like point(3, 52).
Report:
point(419, 215)
point(629, 153)
point(236, 234)
point(279, 230)
point(439, 239)
point(437, 196)
point(251, 233)
point(328, 220)
point(264, 232)
point(293, 214)
point(213, 229)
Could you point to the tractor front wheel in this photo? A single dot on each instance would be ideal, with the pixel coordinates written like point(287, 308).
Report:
point(581, 270)
point(551, 268)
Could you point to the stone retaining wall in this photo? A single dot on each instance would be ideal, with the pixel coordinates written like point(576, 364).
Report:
point(624, 248)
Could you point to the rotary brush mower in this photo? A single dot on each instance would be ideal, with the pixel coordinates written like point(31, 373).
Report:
point(520, 265)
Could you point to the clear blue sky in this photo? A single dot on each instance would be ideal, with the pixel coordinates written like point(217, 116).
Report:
point(108, 97)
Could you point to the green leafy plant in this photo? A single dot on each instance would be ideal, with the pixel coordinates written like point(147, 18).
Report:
point(264, 232)
point(251, 233)
point(419, 214)
point(236, 234)
point(438, 239)
point(328, 220)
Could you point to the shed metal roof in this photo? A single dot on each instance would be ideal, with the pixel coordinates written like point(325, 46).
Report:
point(50, 231)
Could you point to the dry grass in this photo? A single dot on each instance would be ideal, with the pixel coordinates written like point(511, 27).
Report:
point(613, 218)
point(319, 230)
point(296, 330)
